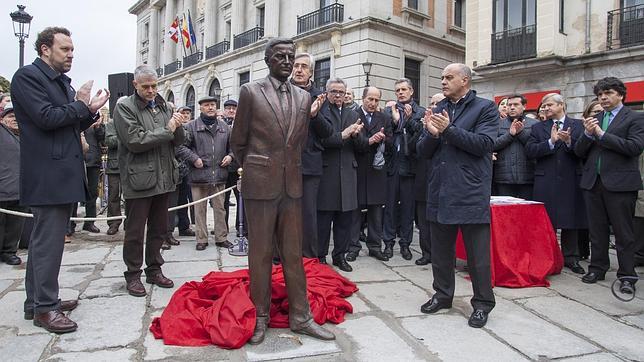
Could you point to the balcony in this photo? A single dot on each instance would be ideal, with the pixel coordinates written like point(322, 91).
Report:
point(625, 27)
point(217, 49)
point(248, 37)
point(514, 44)
point(160, 72)
point(333, 13)
point(172, 67)
point(192, 59)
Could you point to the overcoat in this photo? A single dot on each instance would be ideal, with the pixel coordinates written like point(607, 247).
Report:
point(372, 183)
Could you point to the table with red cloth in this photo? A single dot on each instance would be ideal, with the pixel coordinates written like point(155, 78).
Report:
point(218, 310)
point(523, 245)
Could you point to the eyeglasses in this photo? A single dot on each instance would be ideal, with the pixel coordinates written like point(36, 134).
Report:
point(336, 91)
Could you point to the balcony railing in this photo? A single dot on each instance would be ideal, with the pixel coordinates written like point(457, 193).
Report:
point(192, 59)
point(625, 27)
point(217, 49)
point(172, 67)
point(514, 44)
point(333, 13)
point(248, 37)
point(159, 72)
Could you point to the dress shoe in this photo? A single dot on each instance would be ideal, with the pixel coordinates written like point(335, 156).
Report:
point(68, 239)
point(12, 259)
point(322, 260)
point(224, 244)
point(389, 250)
point(478, 318)
point(378, 255)
point(261, 324)
point(575, 267)
point(136, 288)
point(405, 252)
point(434, 305)
point(91, 228)
point(351, 256)
point(112, 230)
point(172, 241)
point(627, 287)
point(592, 277)
point(159, 280)
point(65, 306)
point(165, 245)
point(186, 232)
point(55, 321)
point(342, 264)
point(201, 246)
point(316, 331)
point(424, 260)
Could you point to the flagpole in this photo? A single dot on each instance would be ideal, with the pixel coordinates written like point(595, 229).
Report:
point(190, 32)
point(183, 44)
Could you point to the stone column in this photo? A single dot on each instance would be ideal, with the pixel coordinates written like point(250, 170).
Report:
point(168, 45)
point(153, 44)
point(237, 16)
point(271, 18)
point(210, 24)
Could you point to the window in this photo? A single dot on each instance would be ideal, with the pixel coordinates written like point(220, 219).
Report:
point(260, 16)
point(190, 99)
point(244, 78)
point(412, 4)
point(561, 16)
point(412, 71)
point(146, 31)
point(322, 73)
point(514, 14)
point(228, 31)
point(325, 3)
point(170, 97)
point(459, 13)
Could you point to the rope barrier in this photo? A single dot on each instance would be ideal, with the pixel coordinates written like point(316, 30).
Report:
point(109, 218)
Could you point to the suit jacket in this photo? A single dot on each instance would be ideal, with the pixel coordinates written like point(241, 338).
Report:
point(619, 149)
point(50, 122)
point(319, 127)
point(557, 173)
point(267, 144)
point(372, 183)
point(403, 161)
point(339, 181)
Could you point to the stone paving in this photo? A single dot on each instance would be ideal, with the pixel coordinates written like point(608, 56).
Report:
point(568, 321)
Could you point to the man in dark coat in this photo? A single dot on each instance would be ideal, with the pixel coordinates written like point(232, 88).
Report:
point(459, 136)
point(611, 179)
point(113, 178)
point(513, 172)
point(51, 116)
point(95, 137)
point(337, 199)
point(406, 116)
point(556, 176)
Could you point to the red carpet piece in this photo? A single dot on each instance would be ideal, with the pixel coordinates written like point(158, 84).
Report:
point(218, 310)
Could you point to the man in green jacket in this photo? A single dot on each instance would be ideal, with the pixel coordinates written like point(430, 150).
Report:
point(147, 132)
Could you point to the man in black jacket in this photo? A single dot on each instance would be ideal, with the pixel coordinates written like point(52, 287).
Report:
point(95, 137)
point(611, 177)
point(51, 116)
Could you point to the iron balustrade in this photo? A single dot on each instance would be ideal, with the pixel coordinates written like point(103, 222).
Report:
point(514, 44)
point(192, 59)
point(625, 27)
point(333, 13)
point(248, 37)
point(172, 67)
point(217, 49)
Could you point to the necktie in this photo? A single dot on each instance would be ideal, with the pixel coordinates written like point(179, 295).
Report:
point(285, 102)
point(605, 122)
point(368, 116)
point(558, 123)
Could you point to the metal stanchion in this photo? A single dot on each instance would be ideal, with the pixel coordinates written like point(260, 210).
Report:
point(240, 246)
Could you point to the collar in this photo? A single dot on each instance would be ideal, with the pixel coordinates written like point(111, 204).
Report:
point(142, 103)
point(364, 111)
point(307, 87)
point(562, 120)
point(277, 83)
point(462, 98)
point(616, 110)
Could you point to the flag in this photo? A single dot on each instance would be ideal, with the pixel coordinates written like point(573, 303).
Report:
point(173, 32)
point(185, 33)
point(193, 36)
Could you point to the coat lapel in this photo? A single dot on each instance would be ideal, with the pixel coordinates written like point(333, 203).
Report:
point(618, 118)
point(296, 99)
point(274, 103)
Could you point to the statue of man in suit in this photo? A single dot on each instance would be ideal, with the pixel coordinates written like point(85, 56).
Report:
point(271, 127)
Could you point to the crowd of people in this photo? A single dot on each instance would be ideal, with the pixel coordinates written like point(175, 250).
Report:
point(315, 163)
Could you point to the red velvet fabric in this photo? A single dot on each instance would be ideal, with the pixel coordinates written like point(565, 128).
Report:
point(218, 310)
point(523, 246)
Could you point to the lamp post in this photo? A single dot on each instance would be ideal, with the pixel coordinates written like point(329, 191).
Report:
point(21, 26)
point(366, 66)
point(216, 92)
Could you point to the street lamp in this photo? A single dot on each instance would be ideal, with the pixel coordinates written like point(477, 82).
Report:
point(21, 26)
point(216, 92)
point(366, 66)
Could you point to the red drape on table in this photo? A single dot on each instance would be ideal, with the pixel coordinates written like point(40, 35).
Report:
point(218, 310)
point(523, 246)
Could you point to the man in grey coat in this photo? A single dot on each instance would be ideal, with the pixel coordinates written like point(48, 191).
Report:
point(459, 136)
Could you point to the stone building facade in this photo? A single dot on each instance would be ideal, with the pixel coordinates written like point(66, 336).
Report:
point(412, 38)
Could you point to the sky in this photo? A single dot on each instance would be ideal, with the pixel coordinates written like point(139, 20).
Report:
point(103, 32)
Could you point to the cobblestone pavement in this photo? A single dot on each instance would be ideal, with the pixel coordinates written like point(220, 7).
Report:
point(568, 321)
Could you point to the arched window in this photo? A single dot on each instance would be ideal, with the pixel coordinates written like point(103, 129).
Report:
point(215, 90)
point(171, 98)
point(190, 99)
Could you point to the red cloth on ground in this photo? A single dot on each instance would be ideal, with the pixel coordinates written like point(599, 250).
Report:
point(523, 246)
point(218, 310)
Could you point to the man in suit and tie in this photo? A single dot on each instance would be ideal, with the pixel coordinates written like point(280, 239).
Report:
point(270, 131)
point(611, 145)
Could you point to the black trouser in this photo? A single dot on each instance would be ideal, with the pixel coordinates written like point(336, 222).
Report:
point(638, 227)
point(92, 188)
point(310, 187)
point(114, 199)
point(173, 198)
point(232, 181)
point(44, 257)
point(606, 208)
point(476, 238)
point(570, 245)
point(152, 211)
point(373, 218)
point(583, 242)
point(522, 191)
point(424, 235)
point(399, 188)
point(10, 227)
point(185, 196)
point(341, 232)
